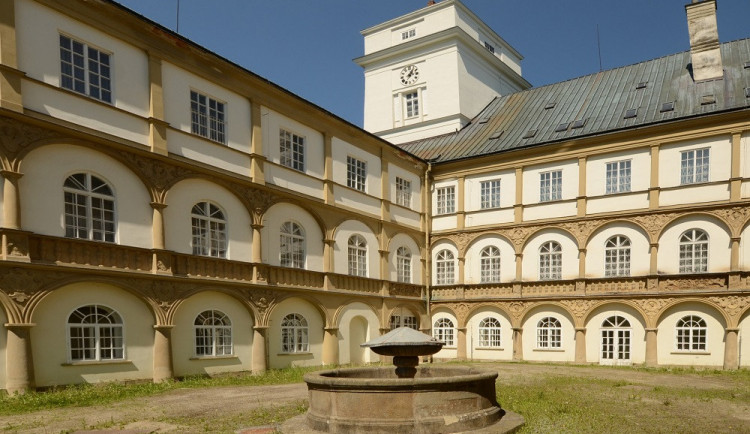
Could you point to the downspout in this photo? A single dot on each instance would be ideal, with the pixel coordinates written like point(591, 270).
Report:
point(428, 253)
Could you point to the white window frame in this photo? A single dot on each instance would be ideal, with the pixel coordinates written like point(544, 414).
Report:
point(617, 256)
point(291, 150)
point(408, 34)
point(489, 265)
point(403, 318)
point(490, 194)
point(356, 173)
point(445, 268)
point(548, 333)
point(550, 186)
point(691, 334)
point(98, 340)
point(443, 330)
point(209, 230)
point(87, 71)
point(403, 192)
point(550, 261)
point(618, 176)
point(89, 212)
point(403, 265)
point(213, 334)
point(695, 166)
point(446, 200)
point(357, 256)
point(694, 245)
point(412, 104)
point(208, 117)
point(295, 334)
point(490, 333)
point(292, 252)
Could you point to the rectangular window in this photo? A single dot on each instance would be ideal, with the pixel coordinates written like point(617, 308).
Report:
point(446, 200)
point(292, 150)
point(489, 47)
point(403, 192)
point(85, 69)
point(412, 104)
point(490, 194)
point(550, 186)
point(618, 176)
point(207, 117)
point(408, 34)
point(356, 173)
point(694, 166)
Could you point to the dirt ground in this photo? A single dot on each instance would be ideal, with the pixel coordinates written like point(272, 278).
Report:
point(162, 413)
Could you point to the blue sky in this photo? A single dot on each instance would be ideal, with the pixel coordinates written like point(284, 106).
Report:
point(307, 47)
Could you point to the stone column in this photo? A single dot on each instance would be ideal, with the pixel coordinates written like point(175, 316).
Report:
point(580, 345)
point(157, 229)
point(19, 366)
point(461, 270)
point(731, 347)
point(163, 353)
point(11, 200)
point(517, 344)
point(461, 343)
point(654, 256)
point(257, 256)
point(651, 347)
point(260, 355)
point(328, 247)
point(331, 346)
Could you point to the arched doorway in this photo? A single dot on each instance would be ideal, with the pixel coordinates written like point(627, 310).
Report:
point(615, 341)
point(357, 336)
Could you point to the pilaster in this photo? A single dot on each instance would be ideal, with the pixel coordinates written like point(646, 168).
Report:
point(11, 200)
point(260, 354)
point(518, 205)
point(328, 195)
point(331, 346)
point(581, 199)
point(731, 349)
point(10, 76)
point(580, 345)
point(461, 343)
point(460, 208)
point(735, 180)
point(157, 126)
point(163, 370)
point(651, 347)
point(653, 190)
point(257, 157)
point(517, 344)
point(19, 365)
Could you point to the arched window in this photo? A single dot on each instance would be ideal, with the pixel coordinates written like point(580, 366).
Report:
point(294, 334)
point(445, 267)
point(357, 256)
point(89, 208)
point(691, 333)
point(213, 334)
point(292, 246)
point(549, 333)
point(617, 256)
point(403, 265)
point(443, 331)
point(403, 318)
point(694, 251)
point(615, 340)
point(95, 333)
point(489, 333)
point(490, 264)
point(550, 261)
point(209, 230)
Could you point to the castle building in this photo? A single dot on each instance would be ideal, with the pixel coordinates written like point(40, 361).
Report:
point(166, 212)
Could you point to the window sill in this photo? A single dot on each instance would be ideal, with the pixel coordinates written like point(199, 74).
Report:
point(489, 349)
point(549, 350)
point(301, 353)
point(98, 362)
point(691, 353)
point(214, 357)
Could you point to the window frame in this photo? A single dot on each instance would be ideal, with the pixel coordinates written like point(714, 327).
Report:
point(356, 174)
point(550, 260)
point(489, 335)
point(445, 268)
point(695, 168)
point(615, 180)
point(300, 334)
point(211, 122)
point(93, 203)
point(445, 202)
point(403, 265)
point(489, 265)
point(549, 333)
point(96, 337)
point(617, 252)
point(357, 255)
point(444, 331)
point(292, 150)
point(691, 245)
point(216, 334)
point(489, 194)
point(403, 192)
point(290, 238)
point(550, 185)
point(104, 88)
point(692, 337)
point(412, 104)
point(208, 234)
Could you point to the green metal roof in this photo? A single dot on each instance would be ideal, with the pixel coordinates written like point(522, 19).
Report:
point(601, 101)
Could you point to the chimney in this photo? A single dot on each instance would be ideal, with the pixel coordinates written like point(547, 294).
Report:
point(705, 52)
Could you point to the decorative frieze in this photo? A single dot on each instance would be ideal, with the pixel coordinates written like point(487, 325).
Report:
point(678, 283)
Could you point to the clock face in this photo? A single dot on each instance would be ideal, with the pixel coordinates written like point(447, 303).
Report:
point(410, 74)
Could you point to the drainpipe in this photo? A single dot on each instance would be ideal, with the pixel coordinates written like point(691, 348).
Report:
point(427, 206)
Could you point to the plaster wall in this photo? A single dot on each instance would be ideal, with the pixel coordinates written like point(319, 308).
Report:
point(719, 251)
point(341, 150)
point(204, 151)
point(361, 317)
point(357, 201)
point(346, 230)
point(474, 351)
point(177, 84)
point(432, 21)
point(283, 212)
point(414, 178)
point(640, 171)
point(293, 180)
point(719, 170)
point(472, 266)
point(531, 180)
point(315, 323)
point(594, 333)
point(745, 163)
point(640, 251)
point(178, 222)
point(402, 216)
point(474, 29)
point(473, 190)
point(566, 353)
point(530, 267)
point(314, 150)
point(184, 358)
point(2, 201)
point(43, 205)
point(49, 339)
point(744, 340)
point(403, 240)
point(744, 260)
point(3, 345)
point(667, 337)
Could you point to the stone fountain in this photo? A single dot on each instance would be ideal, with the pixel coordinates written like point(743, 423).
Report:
point(409, 399)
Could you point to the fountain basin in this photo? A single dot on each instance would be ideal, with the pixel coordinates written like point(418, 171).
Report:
point(376, 400)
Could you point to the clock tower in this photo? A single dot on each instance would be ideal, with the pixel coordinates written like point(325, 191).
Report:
point(429, 72)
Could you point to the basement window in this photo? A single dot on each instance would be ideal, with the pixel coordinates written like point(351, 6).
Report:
point(667, 107)
point(708, 99)
point(579, 124)
point(641, 85)
point(631, 113)
point(529, 134)
point(562, 127)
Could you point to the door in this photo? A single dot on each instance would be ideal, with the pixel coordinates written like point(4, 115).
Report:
point(615, 341)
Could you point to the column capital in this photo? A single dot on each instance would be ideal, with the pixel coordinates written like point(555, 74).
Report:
point(260, 328)
point(331, 329)
point(256, 226)
point(19, 325)
point(10, 175)
point(329, 242)
point(158, 205)
point(581, 329)
point(162, 327)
